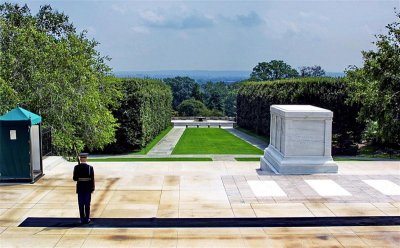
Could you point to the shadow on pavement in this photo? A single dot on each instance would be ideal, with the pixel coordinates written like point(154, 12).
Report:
point(213, 222)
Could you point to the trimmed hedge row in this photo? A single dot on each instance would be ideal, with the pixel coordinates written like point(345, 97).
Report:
point(145, 111)
point(255, 98)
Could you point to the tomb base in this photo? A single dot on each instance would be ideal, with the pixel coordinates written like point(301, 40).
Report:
point(273, 160)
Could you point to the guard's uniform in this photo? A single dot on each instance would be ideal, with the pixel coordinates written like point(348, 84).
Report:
point(84, 175)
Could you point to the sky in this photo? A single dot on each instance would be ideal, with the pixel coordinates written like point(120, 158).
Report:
point(228, 35)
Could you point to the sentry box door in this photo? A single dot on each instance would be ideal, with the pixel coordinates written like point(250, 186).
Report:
point(15, 150)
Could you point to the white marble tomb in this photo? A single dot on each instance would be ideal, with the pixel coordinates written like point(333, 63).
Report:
point(300, 140)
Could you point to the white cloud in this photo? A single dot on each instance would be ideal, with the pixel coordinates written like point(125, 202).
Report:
point(279, 29)
point(304, 14)
point(178, 19)
point(152, 17)
point(118, 8)
point(140, 30)
point(252, 19)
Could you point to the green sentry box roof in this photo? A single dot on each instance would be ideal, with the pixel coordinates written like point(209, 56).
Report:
point(20, 114)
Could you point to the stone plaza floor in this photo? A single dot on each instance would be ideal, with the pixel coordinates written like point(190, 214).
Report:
point(203, 190)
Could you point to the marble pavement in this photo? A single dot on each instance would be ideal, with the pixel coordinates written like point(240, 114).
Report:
point(205, 189)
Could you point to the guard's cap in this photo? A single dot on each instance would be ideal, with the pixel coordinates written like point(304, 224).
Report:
point(83, 155)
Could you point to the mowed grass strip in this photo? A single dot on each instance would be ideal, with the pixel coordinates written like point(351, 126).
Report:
point(212, 141)
point(147, 159)
point(247, 159)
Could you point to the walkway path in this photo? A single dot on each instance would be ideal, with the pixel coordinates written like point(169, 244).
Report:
point(168, 143)
point(248, 138)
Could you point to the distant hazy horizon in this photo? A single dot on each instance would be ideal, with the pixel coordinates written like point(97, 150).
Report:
point(200, 76)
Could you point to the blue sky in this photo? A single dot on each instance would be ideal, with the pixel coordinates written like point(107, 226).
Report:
point(229, 35)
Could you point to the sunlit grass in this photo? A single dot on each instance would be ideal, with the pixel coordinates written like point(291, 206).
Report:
point(212, 141)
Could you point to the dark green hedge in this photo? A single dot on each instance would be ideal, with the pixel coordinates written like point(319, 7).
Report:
point(255, 98)
point(145, 111)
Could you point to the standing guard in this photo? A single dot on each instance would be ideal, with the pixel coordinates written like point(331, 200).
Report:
point(84, 177)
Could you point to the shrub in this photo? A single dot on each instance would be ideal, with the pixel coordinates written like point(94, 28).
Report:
point(145, 111)
point(255, 98)
point(192, 107)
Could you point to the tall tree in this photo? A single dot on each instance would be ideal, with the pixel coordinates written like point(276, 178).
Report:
point(215, 95)
point(230, 104)
point(273, 70)
point(377, 87)
point(312, 71)
point(221, 97)
point(8, 97)
point(58, 73)
point(183, 88)
point(15, 15)
point(53, 22)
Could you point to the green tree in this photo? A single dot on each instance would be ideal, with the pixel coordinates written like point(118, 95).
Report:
point(58, 73)
point(215, 95)
point(377, 87)
point(183, 88)
point(17, 16)
point(8, 97)
point(312, 71)
point(273, 70)
point(230, 104)
point(220, 97)
point(53, 23)
point(192, 107)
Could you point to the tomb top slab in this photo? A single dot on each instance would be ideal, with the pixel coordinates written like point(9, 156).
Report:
point(301, 111)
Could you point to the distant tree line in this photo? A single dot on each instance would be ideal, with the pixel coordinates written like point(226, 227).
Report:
point(278, 69)
point(209, 99)
point(219, 99)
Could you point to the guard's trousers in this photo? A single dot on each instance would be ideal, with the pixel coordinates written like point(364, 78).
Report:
point(84, 206)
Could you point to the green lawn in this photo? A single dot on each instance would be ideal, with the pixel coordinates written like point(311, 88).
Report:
point(154, 142)
point(147, 159)
point(247, 159)
point(212, 141)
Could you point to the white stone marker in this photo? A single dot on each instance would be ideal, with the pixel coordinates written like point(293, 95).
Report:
point(300, 140)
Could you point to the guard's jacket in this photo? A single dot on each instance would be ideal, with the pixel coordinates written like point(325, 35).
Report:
point(84, 177)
